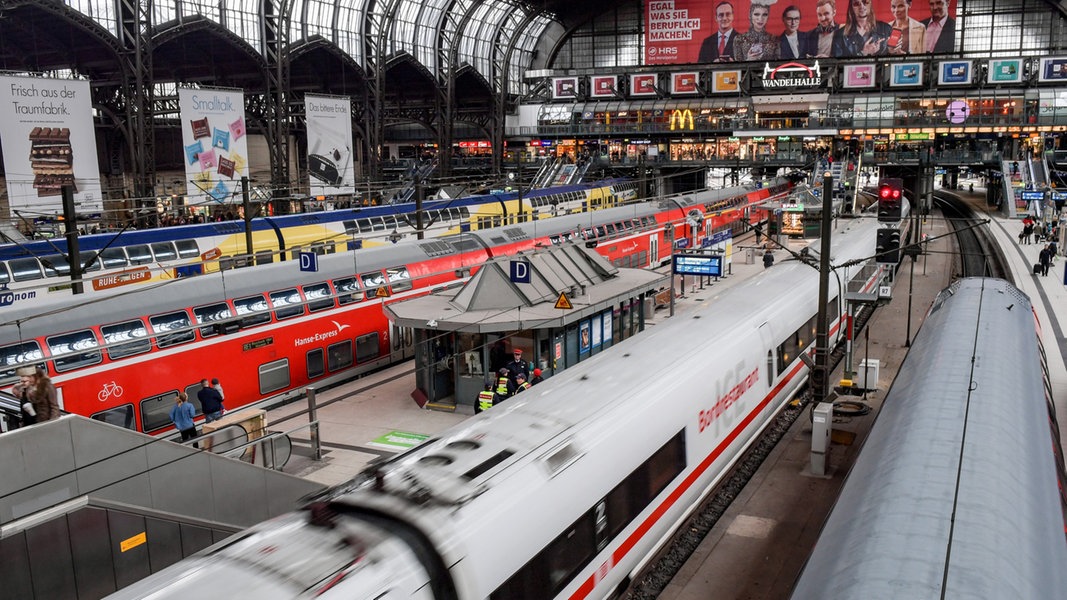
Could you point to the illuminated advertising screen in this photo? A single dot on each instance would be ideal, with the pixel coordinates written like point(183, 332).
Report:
point(714, 31)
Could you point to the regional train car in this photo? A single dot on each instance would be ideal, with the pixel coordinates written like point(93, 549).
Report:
point(958, 491)
point(124, 356)
point(560, 492)
point(143, 256)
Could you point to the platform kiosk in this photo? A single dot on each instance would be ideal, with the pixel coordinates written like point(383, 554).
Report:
point(559, 305)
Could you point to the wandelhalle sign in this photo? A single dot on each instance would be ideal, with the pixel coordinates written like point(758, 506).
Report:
point(791, 76)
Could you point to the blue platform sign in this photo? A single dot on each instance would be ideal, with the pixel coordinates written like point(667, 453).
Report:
point(697, 264)
point(309, 261)
point(1033, 196)
point(520, 271)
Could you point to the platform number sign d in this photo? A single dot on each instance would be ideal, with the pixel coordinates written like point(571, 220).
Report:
point(520, 271)
point(309, 261)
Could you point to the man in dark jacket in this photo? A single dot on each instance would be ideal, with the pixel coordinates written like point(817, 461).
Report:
point(516, 366)
point(210, 401)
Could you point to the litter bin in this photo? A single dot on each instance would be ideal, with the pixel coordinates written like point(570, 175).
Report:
point(750, 256)
point(650, 306)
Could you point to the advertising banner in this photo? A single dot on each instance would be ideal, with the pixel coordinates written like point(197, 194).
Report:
point(603, 86)
point(726, 81)
point(906, 74)
point(48, 142)
point(643, 85)
point(564, 88)
point(707, 31)
point(1005, 70)
point(684, 83)
point(215, 144)
point(329, 127)
point(859, 76)
point(954, 72)
point(1053, 69)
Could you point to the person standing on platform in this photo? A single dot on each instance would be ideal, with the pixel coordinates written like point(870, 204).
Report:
point(503, 388)
point(516, 366)
point(210, 401)
point(23, 390)
point(521, 385)
point(182, 416)
point(536, 377)
point(768, 259)
point(218, 387)
point(485, 400)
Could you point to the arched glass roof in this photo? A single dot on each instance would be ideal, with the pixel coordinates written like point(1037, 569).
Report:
point(426, 29)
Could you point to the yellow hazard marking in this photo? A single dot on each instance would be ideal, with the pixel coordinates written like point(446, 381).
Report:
point(564, 302)
point(131, 543)
point(381, 293)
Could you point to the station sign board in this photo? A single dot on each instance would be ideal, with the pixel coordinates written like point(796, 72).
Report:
point(697, 264)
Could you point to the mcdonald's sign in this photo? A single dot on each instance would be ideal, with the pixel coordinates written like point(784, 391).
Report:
point(679, 119)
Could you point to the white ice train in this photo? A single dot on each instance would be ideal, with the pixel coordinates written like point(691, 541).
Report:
point(958, 491)
point(562, 492)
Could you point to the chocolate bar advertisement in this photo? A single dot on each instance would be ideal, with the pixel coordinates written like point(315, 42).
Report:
point(215, 144)
point(49, 143)
point(329, 127)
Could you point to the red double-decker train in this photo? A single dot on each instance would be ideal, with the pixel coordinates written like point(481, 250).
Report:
point(272, 329)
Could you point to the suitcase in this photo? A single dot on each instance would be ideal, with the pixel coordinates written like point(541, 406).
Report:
point(1038, 269)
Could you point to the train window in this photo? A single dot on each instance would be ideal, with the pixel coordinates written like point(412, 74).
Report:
point(125, 339)
point(176, 322)
point(286, 303)
point(339, 356)
point(600, 231)
point(318, 296)
point(139, 254)
point(191, 391)
point(610, 228)
point(163, 251)
point(391, 222)
point(399, 278)
point(187, 249)
point(274, 376)
point(5, 275)
point(113, 258)
point(377, 224)
point(120, 416)
point(253, 310)
point(347, 290)
point(25, 269)
point(464, 212)
point(16, 355)
point(264, 258)
point(317, 248)
point(74, 350)
point(367, 348)
point(55, 265)
point(371, 282)
point(209, 314)
point(85, 257)
point(331, 248)
point(155, 411)
point(364, 225)
point(316, 362)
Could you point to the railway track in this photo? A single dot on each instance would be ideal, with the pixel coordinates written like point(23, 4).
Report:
point(977, 254)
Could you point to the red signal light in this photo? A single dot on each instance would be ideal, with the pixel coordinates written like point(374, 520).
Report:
point(885, 191)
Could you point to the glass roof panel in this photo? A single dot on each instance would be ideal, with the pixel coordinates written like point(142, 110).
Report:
point(243, 18)
point(101, 11)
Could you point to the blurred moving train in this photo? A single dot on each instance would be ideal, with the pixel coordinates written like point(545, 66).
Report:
point(123, 357)
point(958, 491)
point(142, 256)
point(561, 492)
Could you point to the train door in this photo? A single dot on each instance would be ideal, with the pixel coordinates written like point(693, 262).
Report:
point(401, 342)
point(653, 250)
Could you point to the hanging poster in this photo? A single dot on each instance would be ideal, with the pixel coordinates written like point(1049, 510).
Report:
point(564, 88)
point(584, 340)
point(684, 83)
point(954, 72)
point(1005, 70)
point(726, 81)
point(329, 127)
point(904, 74)
point(48, 142)
point(215, 145)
